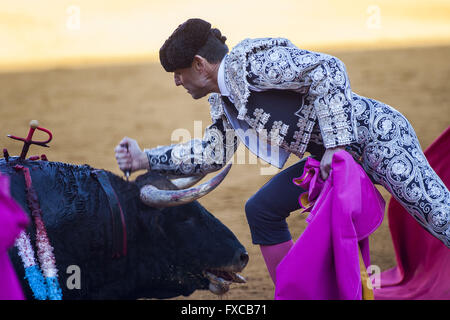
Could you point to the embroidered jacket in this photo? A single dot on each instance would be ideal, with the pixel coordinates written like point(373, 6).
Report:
point(260, 65)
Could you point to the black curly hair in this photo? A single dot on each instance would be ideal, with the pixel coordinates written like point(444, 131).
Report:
point(195, 36)
point(215, 48)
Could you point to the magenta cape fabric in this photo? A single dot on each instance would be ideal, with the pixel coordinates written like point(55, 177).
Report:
point(324, 262)
point(423, 262)
point(12, 221)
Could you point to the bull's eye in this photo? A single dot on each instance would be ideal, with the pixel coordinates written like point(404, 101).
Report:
point(187, 219)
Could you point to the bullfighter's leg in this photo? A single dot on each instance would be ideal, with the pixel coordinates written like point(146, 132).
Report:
point(269, 207)
point(393, 157)
point(267, 211)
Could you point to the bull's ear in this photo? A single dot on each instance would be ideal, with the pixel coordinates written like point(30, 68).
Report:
point(156, 197)
point(165, 183)
point(183, 183)
point(155, 179)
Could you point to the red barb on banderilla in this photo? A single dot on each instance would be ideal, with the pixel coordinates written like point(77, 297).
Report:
point(28, 140)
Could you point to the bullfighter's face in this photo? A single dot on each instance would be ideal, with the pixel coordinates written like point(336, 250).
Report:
point(197, 79)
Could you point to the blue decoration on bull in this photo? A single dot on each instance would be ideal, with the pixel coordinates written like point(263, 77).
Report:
point(54, 291)
point(36, 281)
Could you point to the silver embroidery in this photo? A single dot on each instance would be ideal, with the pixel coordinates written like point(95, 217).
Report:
point(276, 63)
point(390, 153)
point(215, 106)
point(278, 132)
point(197, 156)
point(259, 121)
point(305, 124)
point(392, 156)
point(236, 69)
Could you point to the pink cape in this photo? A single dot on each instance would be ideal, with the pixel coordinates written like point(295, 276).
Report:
point(12, 220)
point(423, 262)
point(324, 262)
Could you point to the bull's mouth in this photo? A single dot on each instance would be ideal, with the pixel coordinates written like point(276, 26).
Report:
point(221, 279)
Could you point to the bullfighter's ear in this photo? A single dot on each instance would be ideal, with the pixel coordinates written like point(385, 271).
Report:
point(156, 197)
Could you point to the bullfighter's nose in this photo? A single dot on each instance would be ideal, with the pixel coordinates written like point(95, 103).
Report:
point(240, 259)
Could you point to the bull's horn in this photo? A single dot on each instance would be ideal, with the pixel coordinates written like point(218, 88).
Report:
point(183, 183)
point(155, 197)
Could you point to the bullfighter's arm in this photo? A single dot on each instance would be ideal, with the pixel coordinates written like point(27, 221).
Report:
point(197, 156)
point(322, 77)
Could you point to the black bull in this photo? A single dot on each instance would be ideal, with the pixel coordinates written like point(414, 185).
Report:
point(170, 251)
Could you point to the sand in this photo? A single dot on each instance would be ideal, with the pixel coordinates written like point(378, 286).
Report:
point(90, 110)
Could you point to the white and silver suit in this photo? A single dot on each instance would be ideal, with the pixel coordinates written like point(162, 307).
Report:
point(329, 114)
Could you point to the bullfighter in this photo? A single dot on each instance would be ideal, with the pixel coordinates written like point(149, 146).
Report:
point(279, 100)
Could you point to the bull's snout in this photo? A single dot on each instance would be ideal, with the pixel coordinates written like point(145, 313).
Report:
point(240, 260)
point(220, 279)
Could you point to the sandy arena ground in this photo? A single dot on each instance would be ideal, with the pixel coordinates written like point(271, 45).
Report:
point(90, 110)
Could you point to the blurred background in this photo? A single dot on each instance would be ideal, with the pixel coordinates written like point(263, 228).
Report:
point(88, 70)
point(61, 32)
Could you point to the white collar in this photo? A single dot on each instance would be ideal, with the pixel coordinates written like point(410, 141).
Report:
point(221, 79)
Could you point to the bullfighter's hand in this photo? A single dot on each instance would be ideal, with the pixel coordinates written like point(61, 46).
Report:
point(129, 155)
point(325, 163)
